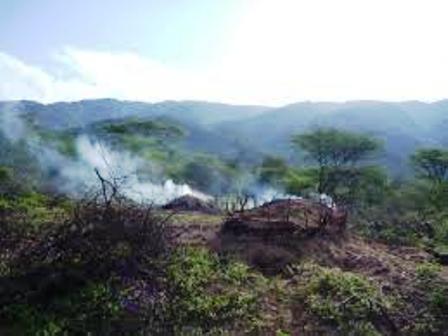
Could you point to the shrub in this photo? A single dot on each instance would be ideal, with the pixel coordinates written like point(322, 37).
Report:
point(72, 277)
point(427, 272)
point(342, 300)
point(209, 293)
point(432, 292)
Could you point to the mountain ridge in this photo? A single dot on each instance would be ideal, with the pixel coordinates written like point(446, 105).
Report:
point(403, 126)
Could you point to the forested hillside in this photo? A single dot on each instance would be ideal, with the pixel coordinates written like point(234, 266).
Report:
point(228, 129)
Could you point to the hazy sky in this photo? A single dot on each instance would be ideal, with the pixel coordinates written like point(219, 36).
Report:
point(240, 51)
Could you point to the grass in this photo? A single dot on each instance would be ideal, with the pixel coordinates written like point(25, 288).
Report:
point(187, 219)
point(31, 211)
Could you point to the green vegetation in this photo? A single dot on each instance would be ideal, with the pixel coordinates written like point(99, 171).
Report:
point(411, 212)
point(211, 293)
point(433, 292)
point(337, 154)
point(431, 165)
point(32, 211)
point(74, 267)
point(62, 141)
point(152, 128)
point(204, 295)
point(91, 308)
point(192, 291)
point(343, 301)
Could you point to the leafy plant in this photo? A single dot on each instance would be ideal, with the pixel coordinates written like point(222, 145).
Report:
point(342, 300)
point(208, 293)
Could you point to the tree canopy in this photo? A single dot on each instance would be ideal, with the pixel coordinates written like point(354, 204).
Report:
point(336, 153)
point(431, 163)
point(332, 147)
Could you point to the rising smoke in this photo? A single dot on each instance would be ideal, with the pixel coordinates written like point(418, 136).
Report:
point(76, 176)
point(121, 166)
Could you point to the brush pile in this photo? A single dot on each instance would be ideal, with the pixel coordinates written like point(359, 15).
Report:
point(286, 217)
point(193, 204)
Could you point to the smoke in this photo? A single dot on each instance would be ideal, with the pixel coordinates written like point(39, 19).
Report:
point(11, 124)
point(139, 180)
point(77, 176)
point(123, 168)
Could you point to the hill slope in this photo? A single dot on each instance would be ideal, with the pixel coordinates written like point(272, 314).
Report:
point(226, 129)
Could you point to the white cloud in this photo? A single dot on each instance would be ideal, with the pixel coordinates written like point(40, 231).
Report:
point(22, 81)
point(85, 74)
point(279, 51)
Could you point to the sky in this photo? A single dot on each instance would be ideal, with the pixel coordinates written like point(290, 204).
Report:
point(264, 52)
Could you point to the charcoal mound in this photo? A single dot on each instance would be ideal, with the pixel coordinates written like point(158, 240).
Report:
point(191, 203)
point(285, 217)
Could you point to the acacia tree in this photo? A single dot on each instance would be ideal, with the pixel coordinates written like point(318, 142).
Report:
point(337, 154)
point(431, 164)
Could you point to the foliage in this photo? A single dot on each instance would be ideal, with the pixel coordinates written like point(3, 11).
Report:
point(6, 180)
point(5, 174)
point(427, 271)
point(342, 300)
point(431, 163)
point(159, 128)
point(105, 269)
point(32, 211)
point(63, 141)
point(209, 293)
point(441, 232)
point(69, 276)
point(20, 165)
point(89, 309)
point(300, 181)
point(273, 170)
point(210, 174)
point(335, 148)
point(336, 154)
point(433, 293)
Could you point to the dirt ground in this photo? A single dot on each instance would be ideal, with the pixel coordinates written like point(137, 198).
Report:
point(390, 264)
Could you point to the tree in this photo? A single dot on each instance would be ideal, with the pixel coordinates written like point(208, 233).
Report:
point(431, 164)
point(335, 152)
point(273, 170)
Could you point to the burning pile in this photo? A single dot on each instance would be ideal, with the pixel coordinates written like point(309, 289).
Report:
point(286, 216)
point(191, 203)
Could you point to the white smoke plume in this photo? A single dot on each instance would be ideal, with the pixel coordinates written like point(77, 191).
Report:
point(11, 124)
point(76, 176)
point(139, 179)
point(124, 167)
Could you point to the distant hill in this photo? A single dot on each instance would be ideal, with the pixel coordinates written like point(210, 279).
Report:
point(402, 126)
point(235, 130)
point(84, 112)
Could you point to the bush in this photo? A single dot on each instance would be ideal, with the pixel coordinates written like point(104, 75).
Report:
point(75, 277)
point(427, 272)
point(208, 293)
point(106, 270)
point(432, 292)
point(343, 301)
point(31, 212)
